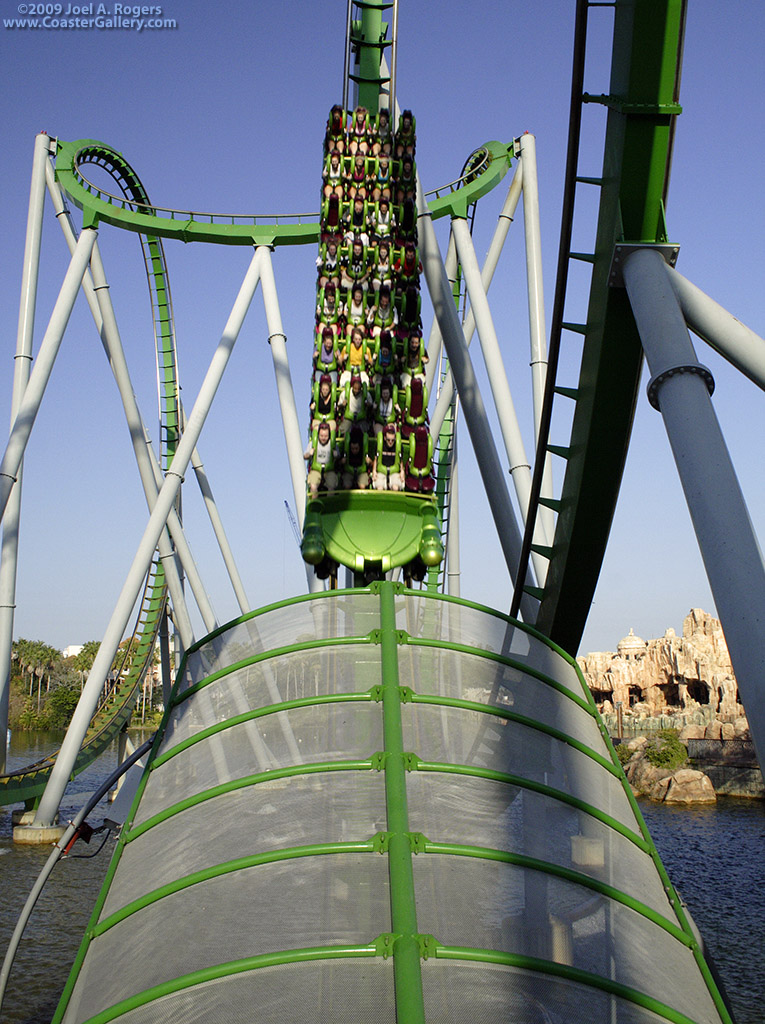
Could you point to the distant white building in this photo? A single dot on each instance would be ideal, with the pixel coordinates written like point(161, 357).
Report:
point(72, 650)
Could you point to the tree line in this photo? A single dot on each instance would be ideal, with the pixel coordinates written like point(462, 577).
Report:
point(45, 686)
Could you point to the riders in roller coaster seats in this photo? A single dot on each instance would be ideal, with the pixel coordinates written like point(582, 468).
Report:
point(386, 467)
point(356, 310)
point(382, 141)
point(414, 406)
point(358, 178)
point(354, 266)
point(407, 267)
point(333, 174)
point(353, 403)
point(386, 408)
point(356, 461)
point(335, 134)
point(382, 269)
point(414, 359)
point(320, 455)
point(355, 356)
point(381, 220)
point(419, 461)
point(406, 181)
point(331, 214)
point(405, 136)
point(359, 133)
point(328, 264)
point(383, 358)
point(382, 180)
point(355, 221)
point(327, 308)
point(324, 402)
point(409, 307)
point(384, 316)
point(406, 221)
point(325, 353)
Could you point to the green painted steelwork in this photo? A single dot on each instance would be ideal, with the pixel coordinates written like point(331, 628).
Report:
point(502, 659)
point(376, 844)
point(291, 956)
point(374, 763)
point(512, 716)
point(372, 530)
point(642, 109)
point(556, 970)
point(415, 763)
point(237, 229)
point(570, 875)
point(369, 39)
point(397, 842)
point(264, 712)
point(113, 716)
point(410, 1007)
point(256, 659)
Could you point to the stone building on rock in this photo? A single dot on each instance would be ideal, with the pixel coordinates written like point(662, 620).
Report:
point(670, 675)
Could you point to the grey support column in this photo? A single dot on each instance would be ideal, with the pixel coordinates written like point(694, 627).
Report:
point(733, 340)
point(470, 398)
point(519, 466)
point(278, 342)
point(504, 221)
point(142, 447)
point(21, 369)
point(680, 388)
point(51, 798)
point(38, 380)
point(537, 327)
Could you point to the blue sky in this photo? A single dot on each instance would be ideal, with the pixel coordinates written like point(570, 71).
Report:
point(226, 113)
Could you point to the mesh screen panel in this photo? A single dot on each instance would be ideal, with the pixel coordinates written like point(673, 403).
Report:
point(457, 992)
point(470, 677)
point(327, 807)
point(297, 676)
point(457, 736)
point(344, 898)
point(464, 901)
point(330, 991)
point(328, 616)
point(481, 812)
point(444, 620)
point(336, 899)
point(300, 736)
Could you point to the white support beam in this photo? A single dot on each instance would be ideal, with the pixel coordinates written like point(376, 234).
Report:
point(21, 370)
point(717, 327)
point(48, 808)
point(40, 375)
point(732, 557)
point(537, 326)
point(470, 399)
point(504, 221)
point(277, 339)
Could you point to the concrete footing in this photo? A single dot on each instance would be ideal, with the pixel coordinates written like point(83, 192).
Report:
point(21, 817)
point(31, 835)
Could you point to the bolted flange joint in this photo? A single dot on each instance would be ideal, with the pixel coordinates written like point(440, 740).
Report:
point(695, 368)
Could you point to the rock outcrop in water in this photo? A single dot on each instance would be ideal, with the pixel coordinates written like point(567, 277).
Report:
point(675, 675)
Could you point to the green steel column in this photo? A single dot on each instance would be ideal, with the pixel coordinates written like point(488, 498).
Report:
point(368, 33)
point(410, 1007)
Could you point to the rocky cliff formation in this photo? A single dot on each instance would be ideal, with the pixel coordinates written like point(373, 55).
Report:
point(673, 674)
